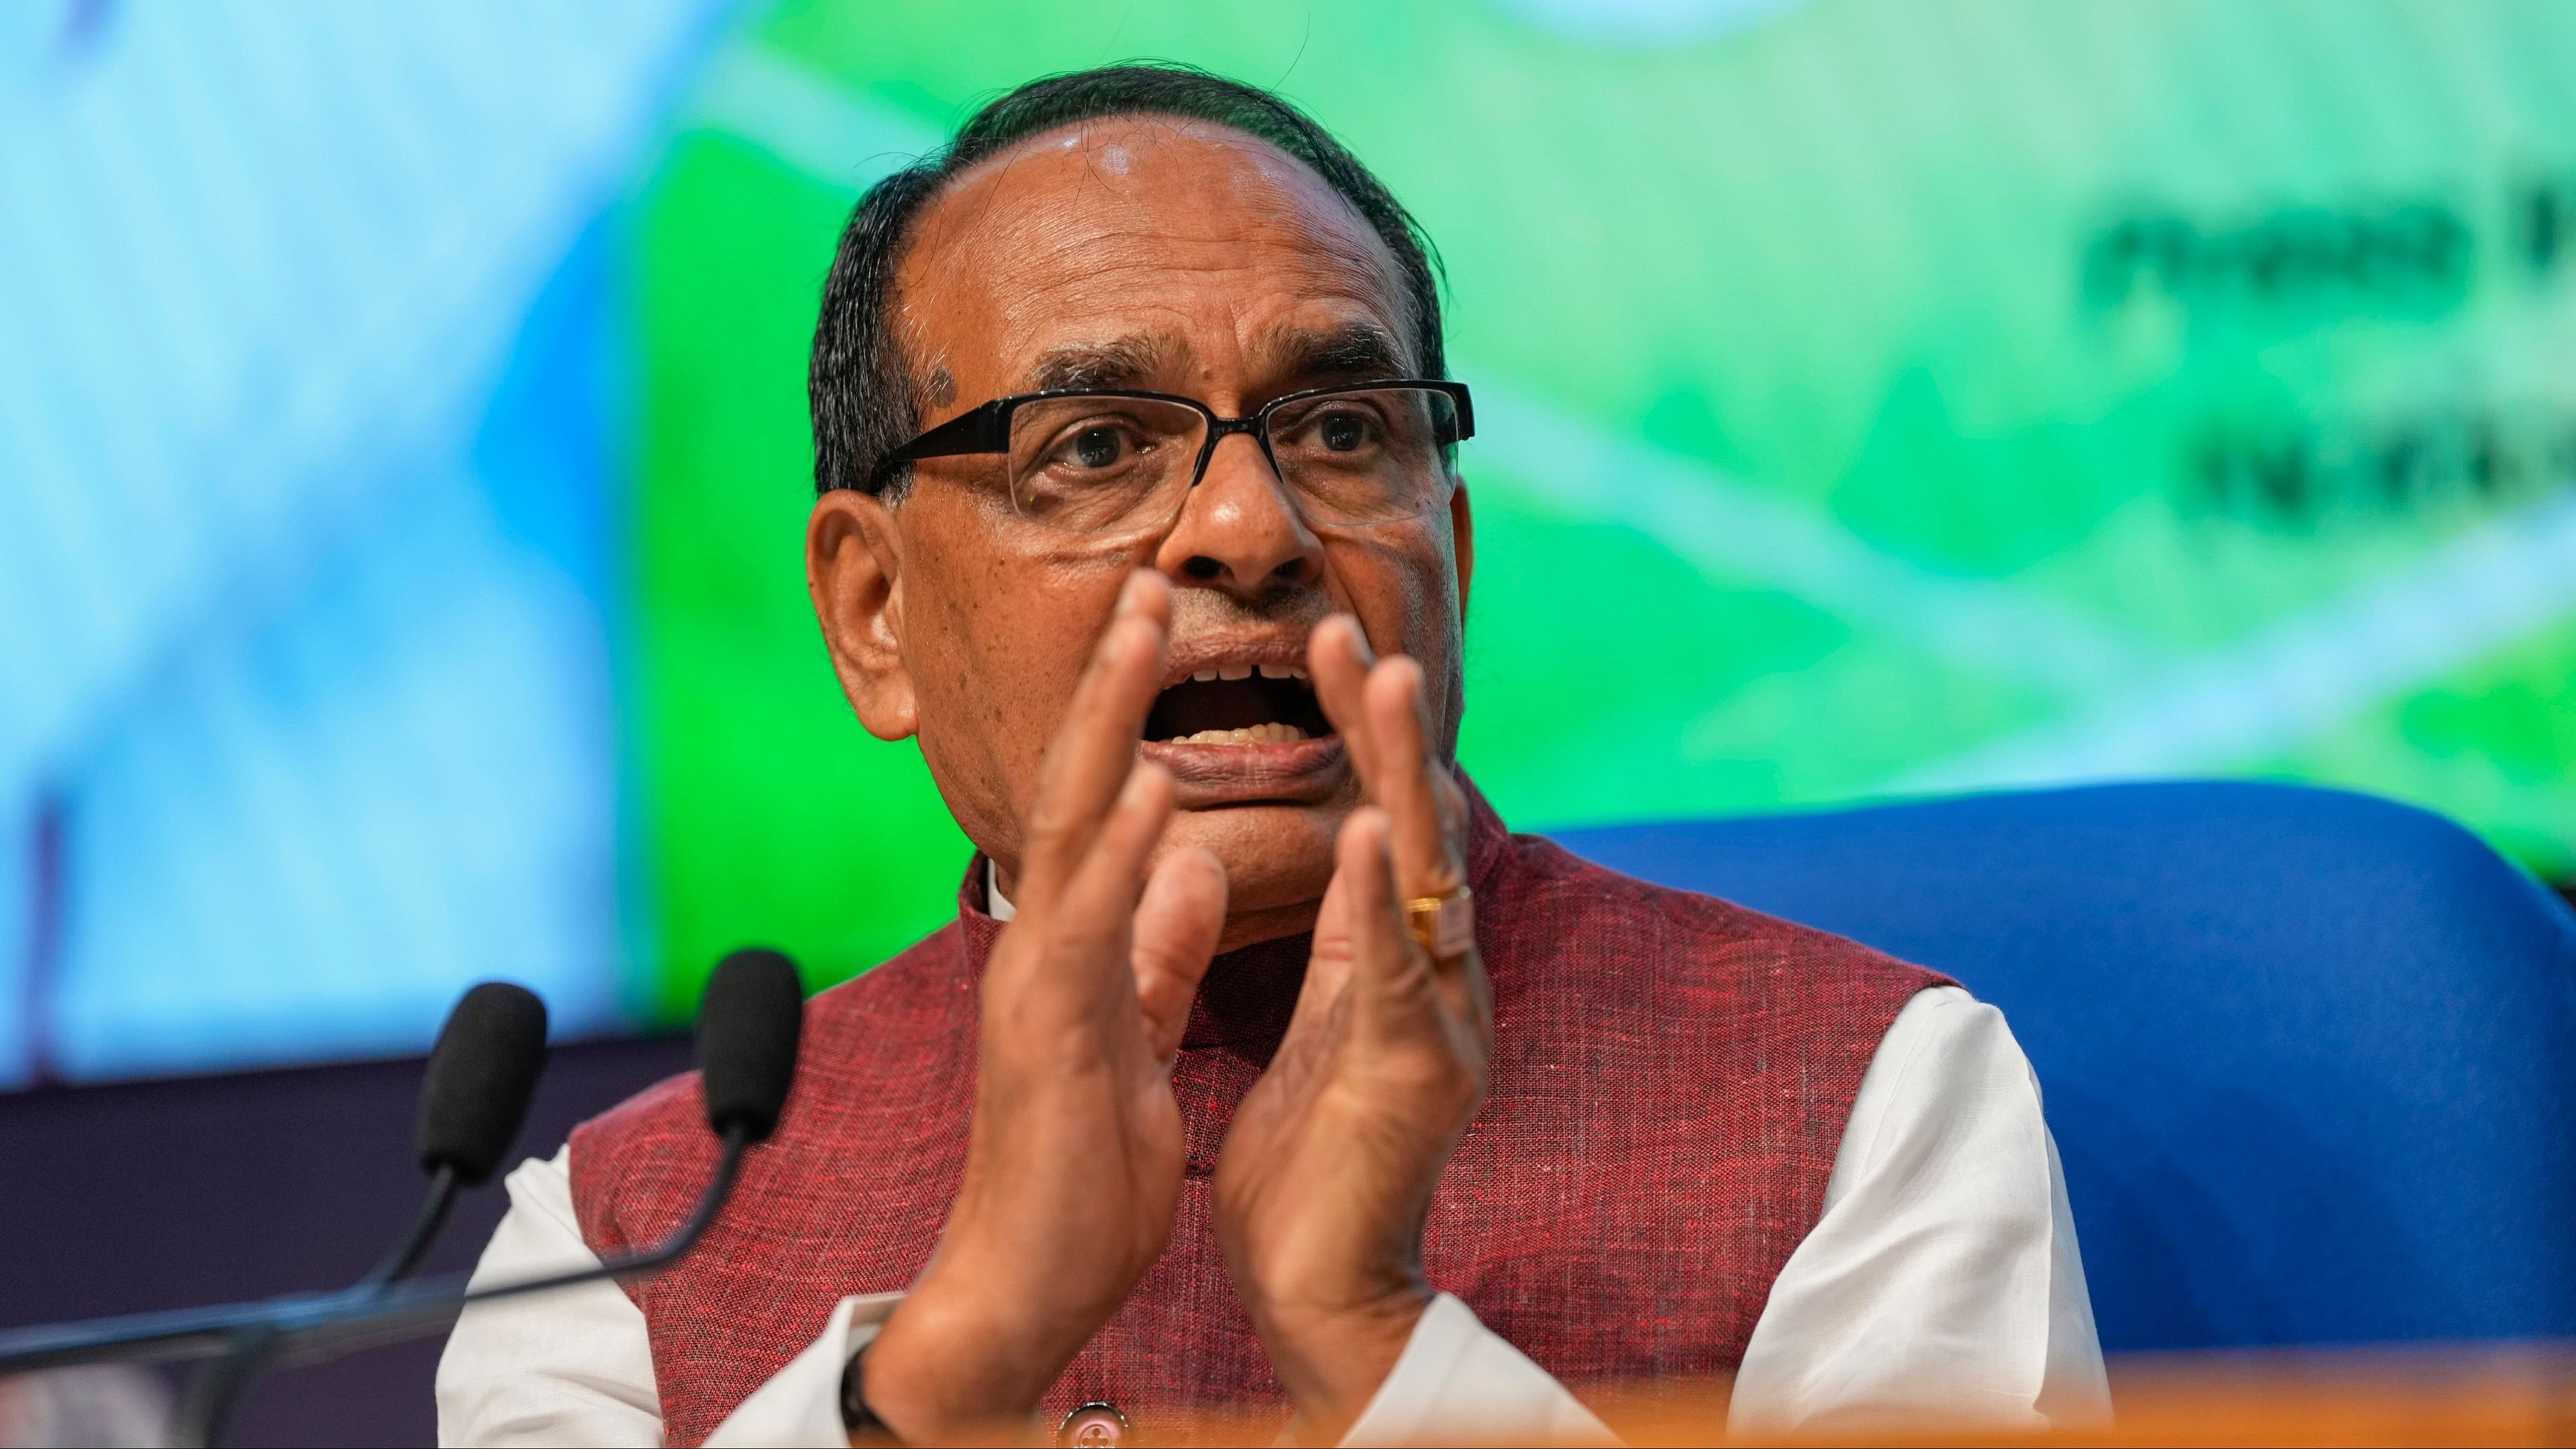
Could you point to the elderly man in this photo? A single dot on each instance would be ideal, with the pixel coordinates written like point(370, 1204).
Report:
point(1262, 1070)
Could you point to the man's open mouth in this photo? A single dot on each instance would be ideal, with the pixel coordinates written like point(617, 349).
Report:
point(1239, 704)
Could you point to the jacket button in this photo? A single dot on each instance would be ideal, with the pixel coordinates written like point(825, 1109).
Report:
point(1093, 1426)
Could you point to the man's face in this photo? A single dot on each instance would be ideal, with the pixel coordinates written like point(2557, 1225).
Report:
point(1148, 253)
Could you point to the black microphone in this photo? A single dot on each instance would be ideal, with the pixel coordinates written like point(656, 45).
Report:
point(482, 1074)
point(473, 1096)
point(748, 1029)
point(747, 1040)
point(750, 1023)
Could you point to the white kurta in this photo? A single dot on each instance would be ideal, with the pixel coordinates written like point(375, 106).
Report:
point(1941, 1280)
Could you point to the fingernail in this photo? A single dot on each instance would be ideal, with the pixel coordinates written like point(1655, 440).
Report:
point(1141, 782)
point(1359, 638)
point(1130, 593)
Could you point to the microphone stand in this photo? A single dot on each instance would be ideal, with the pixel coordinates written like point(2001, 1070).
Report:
point(197, 1421)
point(405, 1256)
point(747, 1039)
point(311, 1327)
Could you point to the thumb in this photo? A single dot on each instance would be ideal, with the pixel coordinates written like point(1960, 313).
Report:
point(1177, 924)
point(1334, 958)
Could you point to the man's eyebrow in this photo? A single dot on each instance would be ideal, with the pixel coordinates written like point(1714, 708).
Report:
point(1123, 362)
point(1355, 350)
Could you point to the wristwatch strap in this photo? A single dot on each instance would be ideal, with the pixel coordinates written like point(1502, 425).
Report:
point(861, 1421)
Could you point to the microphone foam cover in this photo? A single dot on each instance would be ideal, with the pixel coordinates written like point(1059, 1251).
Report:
point(480, 1077)
point(747, 1029)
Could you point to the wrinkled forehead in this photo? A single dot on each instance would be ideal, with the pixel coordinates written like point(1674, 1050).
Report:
point(1182, 245)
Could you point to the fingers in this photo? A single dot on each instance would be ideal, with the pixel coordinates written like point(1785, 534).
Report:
point(1338, 659)
point(1089, 760)
point(1385, 962)
point(1382, 711)
point(1422, 829)
point(1363, 873)
point(1328, 962)
point(1342, 932)
point(1097, 906)
point(1324, 1000)
point(1177, 925)
point(1403, 995)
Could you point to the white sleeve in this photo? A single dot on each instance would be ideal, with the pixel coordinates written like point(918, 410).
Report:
point(801, 1403)
point(568, 1367)
point(1942, 1279)
point(575, 1366)
point(1458, 1381)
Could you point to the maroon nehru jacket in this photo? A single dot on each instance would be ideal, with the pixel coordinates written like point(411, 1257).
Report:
point(1670, 1079)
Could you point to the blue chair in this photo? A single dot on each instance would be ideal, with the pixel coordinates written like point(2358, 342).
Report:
point(2310, 1057)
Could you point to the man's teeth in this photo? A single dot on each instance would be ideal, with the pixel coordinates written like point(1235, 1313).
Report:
point(1273, 733)
point(1246, 671)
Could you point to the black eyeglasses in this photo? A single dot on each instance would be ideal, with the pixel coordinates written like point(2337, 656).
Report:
point(1107, 461)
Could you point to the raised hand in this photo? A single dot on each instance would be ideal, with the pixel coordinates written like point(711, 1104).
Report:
point(1073, 1166)
point(1326, 1177)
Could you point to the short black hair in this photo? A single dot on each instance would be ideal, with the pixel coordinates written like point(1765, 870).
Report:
point(866, 400)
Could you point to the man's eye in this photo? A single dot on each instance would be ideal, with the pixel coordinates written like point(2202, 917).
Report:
point(1342, 432)
point(1098, 447)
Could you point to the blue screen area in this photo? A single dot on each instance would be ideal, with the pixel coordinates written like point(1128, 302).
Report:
point(307, 430)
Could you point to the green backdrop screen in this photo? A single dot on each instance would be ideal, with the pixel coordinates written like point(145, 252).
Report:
point(1876, 397)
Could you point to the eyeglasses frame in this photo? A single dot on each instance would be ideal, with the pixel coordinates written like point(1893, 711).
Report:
point(986, 428)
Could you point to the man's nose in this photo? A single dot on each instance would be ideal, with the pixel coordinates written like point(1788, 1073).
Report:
point(1240, 530)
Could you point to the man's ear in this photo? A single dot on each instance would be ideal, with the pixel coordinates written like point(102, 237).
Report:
point(1462, 532)
point(854, 570)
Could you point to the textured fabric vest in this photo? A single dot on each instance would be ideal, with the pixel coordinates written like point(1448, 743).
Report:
point(1669, 1086)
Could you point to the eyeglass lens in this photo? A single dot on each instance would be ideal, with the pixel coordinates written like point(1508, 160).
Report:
point(1096, 464)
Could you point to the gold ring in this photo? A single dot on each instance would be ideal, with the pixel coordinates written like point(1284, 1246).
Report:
point(1445, 926)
